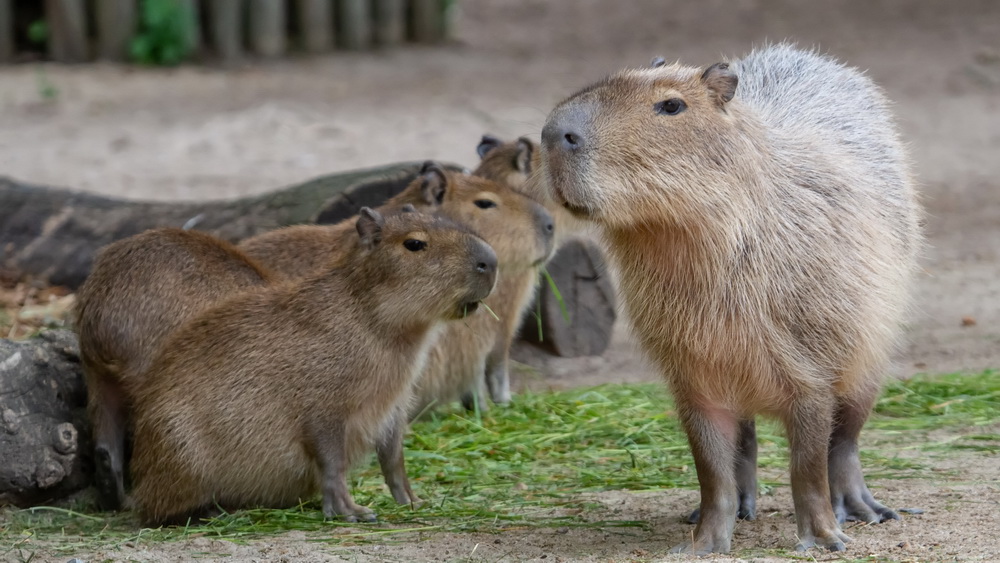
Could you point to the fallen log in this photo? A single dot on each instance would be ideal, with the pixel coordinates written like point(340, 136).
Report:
point(44, 433)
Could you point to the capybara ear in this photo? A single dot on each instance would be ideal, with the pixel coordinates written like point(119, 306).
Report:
point(525, 148)
point(434, 182)
point(370, 223)
point(721, 82)
point(487, 144)
point(657, 62)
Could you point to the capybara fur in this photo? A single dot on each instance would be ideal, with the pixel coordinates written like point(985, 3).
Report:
point(270, 395)
point(515, 164)
point(473, 353)
point(139, 290)
point(765, 229)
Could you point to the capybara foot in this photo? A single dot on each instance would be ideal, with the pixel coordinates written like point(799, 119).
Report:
point(356, 513)
point(746, 511)
point(108, 481)
point(834, 541)
point(699, 548)
point(860, 506)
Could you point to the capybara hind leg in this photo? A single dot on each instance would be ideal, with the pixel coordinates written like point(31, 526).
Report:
point(390, 458)
point(108, 414)
point(333, 461)
point(746, 474)
point(712, 434)
point(850, 496)
point(808, 425)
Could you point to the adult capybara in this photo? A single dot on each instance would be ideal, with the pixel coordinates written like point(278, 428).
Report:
point(765, 227)
point(139, 290)
point(272, 394)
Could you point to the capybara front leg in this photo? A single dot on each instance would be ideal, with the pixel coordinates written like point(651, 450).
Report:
point(808, 425)
point(712, 434)
point(850, 496)
point(498, 372)
point(390, 458)
point(746, 474)
point(333, 462)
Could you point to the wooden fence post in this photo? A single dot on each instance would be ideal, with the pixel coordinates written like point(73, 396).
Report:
point(226, 23)
point(316, 25)
point(355, 24)
point(116, 24)
point(390, 22)
point(427, 20)
point(6, 31)
point(267, 27)
point(193, 16)
point(67, 21)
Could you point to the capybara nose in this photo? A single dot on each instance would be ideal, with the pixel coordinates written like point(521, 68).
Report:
point(564, 130)
point(486, 259)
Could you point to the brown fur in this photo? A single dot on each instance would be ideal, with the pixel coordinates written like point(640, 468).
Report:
point(515, 226)
point(269, 395)
point(516, 164)
point(765, 237)
point(140, 289)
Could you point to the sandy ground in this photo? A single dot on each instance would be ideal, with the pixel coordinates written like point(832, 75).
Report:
point(193, 133)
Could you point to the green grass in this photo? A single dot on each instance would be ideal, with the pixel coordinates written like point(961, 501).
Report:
point(526, 465)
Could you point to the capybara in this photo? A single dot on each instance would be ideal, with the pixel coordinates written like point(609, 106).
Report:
point(765, 229)
point(271, 394)
point(515, 164)
point(475, 352)
point(139, 290)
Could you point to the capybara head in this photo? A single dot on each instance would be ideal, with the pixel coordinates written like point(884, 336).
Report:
point(647, 145)
point(422, 266)
point(509, 163)
point(516, 226)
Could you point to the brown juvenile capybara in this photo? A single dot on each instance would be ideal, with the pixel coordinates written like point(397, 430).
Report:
point(271, 394)
point(515, 164)
point(765, 229)
point(517, 227)
point(139, 290)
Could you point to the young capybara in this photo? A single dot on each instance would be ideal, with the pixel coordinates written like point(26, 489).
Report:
point(139, 290)
point(271, 394)
point(515, 164)
point(474, 352)
point(766, 230)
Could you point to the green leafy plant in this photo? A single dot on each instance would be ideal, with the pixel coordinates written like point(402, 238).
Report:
point(163, 33)
point(38, 32)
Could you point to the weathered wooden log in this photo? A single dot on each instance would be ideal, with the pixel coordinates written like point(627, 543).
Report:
point(116, 23)
point(67, 21)
point(267, 27)
point(52, 234)
point(315, 25)
point(576, 321)
point(44, 434)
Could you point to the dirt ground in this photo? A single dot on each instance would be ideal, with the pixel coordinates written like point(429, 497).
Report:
point(199, 132)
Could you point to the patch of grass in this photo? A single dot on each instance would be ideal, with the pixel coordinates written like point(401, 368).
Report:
point(526, 465)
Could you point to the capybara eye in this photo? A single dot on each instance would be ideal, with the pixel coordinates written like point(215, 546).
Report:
point(484, 203)
point(673, 106)
point(414, 245)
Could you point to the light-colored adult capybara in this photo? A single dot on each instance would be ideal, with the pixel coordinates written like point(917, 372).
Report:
point(764, 224)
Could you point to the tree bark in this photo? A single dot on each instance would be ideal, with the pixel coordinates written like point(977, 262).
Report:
point(44, 433)
point(51, 234)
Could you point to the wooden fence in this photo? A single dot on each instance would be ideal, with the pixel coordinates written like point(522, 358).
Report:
point(227, 30)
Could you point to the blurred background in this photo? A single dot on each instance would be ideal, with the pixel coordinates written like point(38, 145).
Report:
point(266, 117)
